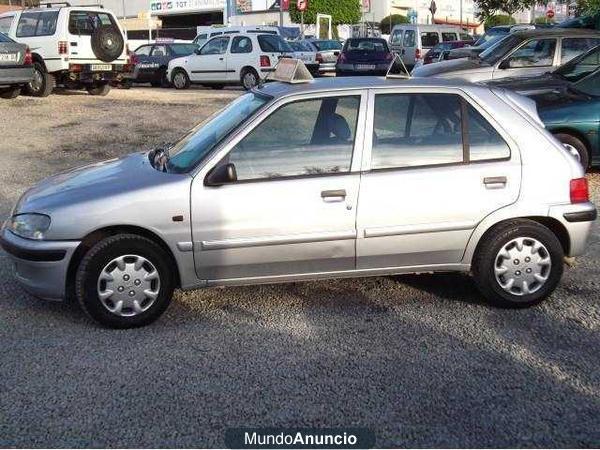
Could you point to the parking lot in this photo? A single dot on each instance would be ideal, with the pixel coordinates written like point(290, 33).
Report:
point(422, 360)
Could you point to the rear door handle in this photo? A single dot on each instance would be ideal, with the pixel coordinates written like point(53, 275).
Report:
point(495, 182)
point(338, 194)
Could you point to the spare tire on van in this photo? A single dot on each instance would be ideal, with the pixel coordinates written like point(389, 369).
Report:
point(107, 43)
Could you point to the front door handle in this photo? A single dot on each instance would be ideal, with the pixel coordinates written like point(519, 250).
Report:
point(335, 195)
point(495, 182)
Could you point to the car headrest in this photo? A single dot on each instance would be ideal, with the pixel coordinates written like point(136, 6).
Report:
point(340, 128)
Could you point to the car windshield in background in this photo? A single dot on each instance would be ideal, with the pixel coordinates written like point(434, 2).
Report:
point(301, 46)
point(273, 43)
point(195, 145)
point(580, 67)
point(366, 45)
point(183, 49)
point(496, 52)
point(327, 45)
point(85, 22)
point(5, 38)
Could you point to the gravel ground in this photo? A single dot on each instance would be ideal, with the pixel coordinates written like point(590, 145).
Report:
point(421, 360)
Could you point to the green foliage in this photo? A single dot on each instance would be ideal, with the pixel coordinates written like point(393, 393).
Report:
point(543, 19)
point(395, 19)
point(588, 7)
point(489, 8)
point(498, 19)
point(341, 11)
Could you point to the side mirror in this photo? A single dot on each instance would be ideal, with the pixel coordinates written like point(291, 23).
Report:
point(504, 64)
point(221, 175)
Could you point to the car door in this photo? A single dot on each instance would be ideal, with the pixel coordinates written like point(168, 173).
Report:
point(396, 41)
point(211, 63)
point(533, 57)
point(429, 177)
point(238, 56)
point(292, 208)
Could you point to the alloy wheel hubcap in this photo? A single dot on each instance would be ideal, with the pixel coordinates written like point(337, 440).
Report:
point(128, 285)
point(36, 83)
point(522, 266)
point(249, 80)
point(179, 80)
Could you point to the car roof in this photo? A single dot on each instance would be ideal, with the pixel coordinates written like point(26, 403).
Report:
point(328, 84)
point(555, 32)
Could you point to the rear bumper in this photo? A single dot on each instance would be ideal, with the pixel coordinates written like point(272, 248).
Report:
point(15, 75)
point(40, 266)
point(350, 69)
point(577, 220)
point(327, 67)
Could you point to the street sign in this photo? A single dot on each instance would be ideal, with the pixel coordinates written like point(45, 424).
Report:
point(550, 13)
point(285, 5)
point(302, 5)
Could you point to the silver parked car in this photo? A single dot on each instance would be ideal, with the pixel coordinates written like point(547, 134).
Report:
point(521, 53)
point(330, 178)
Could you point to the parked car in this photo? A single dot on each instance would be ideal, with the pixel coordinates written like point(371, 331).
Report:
point(522, 53)
point(591, 22)
point(413, 41)
point(440, 51)
point(474, 50)
point(150, 62)
point(329, 50)
point(244, 59)
point(16, 67)
point(242, 199)
point(568, 101)
point(364, 56)
point(501, 31)
point(307, 53)
point(207, 33)
point(80, 47)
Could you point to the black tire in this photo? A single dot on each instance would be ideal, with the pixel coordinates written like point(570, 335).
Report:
point(43, 83)
point(217, 87)
point(164, 80)
point(101, 254)
point(180, 79)
point(100, 90)
point(485, 261)
point(155, 84)
point(249, 78)
point(582, 150)
point(125, 84)
point(10, 93)
point(107, 43)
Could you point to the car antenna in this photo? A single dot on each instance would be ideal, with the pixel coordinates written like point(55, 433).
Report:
point(389, 73)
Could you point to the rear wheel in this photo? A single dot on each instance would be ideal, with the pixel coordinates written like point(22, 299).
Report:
point(577, 148)
point(10, 93)
point(518, 264)
point(99, 89)
point(180, 79)
point(249, 78)
point(125, 281)
point(42, 84)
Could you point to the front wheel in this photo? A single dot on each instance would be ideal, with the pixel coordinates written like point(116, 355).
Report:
point(125, 281)
point(180, 79)
point(518, 264)
point(249, 79)
point(100, 89)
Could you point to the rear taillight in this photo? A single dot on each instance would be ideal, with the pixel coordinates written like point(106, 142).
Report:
point(418, 53)
point(319, 58)
point(265, 61)
point(63, 47)
point(28, 60)
point(579, 190)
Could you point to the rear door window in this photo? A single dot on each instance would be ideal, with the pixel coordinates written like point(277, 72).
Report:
point(535, 53)
point(85, 22)
point(37, 24)
point(573, 47)
point(241, 44)
point(429, 39)
point(144, 50)
point(449, 37)
point(27, 24)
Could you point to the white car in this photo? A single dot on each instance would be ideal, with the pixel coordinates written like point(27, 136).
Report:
point(77, 47)
point(307, 53)
point(235, 59)
point(206, 33)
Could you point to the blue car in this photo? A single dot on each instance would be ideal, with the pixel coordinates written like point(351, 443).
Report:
point(150, 62)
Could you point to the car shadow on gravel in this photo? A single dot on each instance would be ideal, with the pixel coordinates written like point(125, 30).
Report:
point(448, 286)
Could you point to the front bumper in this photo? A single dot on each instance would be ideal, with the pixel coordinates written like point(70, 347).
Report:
point(40, 266)
point(15, 75)
point(577, 220)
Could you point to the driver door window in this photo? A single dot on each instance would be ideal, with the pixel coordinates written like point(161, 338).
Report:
point(217, 46)
point(321, 143)
point(535, 53)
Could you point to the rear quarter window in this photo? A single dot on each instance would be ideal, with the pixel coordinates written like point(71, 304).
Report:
point(5, 24)
point(85, 22)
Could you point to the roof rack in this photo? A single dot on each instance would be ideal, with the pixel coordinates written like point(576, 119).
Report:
point(51, 4)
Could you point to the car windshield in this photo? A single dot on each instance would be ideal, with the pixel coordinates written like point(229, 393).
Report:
point(366, 45)
point(580, 67)
point(497, 51)
point(328, 45)
point(4, 38)
point(183, 49)
point(195, 145)
point(490, 35)
point(589, 85)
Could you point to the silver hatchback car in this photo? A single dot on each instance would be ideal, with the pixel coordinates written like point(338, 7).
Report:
point(329, 178)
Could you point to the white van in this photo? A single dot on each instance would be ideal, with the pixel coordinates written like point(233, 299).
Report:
point(413, 41)
point(209, 32)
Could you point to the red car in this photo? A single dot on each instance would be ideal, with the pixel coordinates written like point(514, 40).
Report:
point(439, 52)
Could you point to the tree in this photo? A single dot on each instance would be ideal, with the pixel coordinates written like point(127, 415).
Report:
point(489, 8)
point(387, 23)
point(342, 12)
point(498, 19)
point(588, 7)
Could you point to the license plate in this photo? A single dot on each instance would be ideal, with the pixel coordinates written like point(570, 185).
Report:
point(8, 57)
point(365, 66)
point(101, 68)
point(149, 66)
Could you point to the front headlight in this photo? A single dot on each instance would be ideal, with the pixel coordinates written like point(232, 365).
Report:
point(30, 226)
